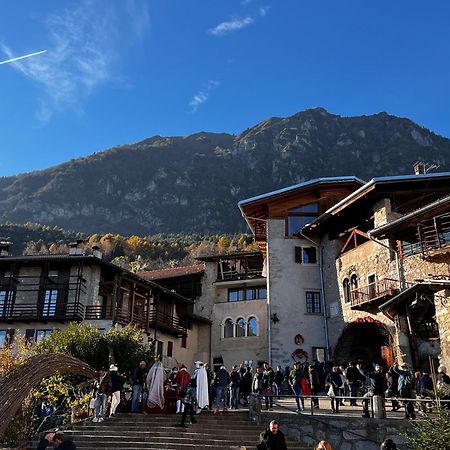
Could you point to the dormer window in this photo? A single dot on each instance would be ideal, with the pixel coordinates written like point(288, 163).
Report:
point(299, 216)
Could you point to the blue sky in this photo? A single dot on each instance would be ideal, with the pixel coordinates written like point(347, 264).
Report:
point(118, 71)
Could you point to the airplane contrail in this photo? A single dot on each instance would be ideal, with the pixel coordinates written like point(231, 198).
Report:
point(22, 57)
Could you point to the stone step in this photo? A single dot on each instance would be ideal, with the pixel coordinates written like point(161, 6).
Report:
point(167, 430)
point(137, 431)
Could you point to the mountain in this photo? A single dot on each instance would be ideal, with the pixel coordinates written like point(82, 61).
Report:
point(193, 183)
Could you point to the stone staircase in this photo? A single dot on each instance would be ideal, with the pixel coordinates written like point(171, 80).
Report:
point(230, 430)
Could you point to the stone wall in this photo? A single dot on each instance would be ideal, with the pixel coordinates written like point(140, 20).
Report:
point(372, 258)
point(344, 433)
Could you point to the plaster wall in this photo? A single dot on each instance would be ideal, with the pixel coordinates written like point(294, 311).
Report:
point(214, 305)
point(288, 283)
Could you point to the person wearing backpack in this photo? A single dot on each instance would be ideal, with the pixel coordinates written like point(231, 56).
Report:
point(405, 388)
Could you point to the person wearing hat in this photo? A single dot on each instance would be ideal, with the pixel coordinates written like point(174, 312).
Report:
point(405, 387)
point(201, 379)
point(56, 440)
point(116, 387)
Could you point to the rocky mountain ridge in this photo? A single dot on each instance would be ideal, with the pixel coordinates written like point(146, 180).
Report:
point(193, 183)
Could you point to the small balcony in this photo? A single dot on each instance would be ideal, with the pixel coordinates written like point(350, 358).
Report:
point(32, 312)
point(236, 275)
point(156, 319)
point(369, 298)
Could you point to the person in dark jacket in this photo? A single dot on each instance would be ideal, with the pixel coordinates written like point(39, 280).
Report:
point(314, 382)
point(246, 385)
point(235, 386)
point(295, 379)
point(279, 378)
point(334, 382)
point(272, 438)
point(425, 385)
point(377, 386)
point(268, 380)
point(56, 440)
point(388, 444)
point(221, 382)
point(393, 388)
point(405, 387)
point(137, 381)
point(354, 377)
point(116, 388)
point(189, 401)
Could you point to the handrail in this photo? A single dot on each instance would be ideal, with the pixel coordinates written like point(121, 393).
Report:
point(401, 401)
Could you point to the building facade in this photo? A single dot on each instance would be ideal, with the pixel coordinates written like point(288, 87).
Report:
point(39, 294)
point(384, 307)
point(297, 326)
point(231, 293)
point(357, 270)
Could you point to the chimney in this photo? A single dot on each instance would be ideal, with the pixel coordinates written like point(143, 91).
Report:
point(97, 252)
point(75, 249)
point(419, 168)
point(4, 247)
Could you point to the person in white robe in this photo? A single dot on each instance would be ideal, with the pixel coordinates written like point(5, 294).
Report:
point(155, 382)
point(202, 386)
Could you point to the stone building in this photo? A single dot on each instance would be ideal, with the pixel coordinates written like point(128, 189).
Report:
point(357, 270)
point(230, 292)
point(45, 292)
point(297, 327)
point(386, 270)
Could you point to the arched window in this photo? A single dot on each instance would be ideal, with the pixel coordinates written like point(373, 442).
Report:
point(240, 327)
point(228, 329)
point(252, 327)
point(346, 289)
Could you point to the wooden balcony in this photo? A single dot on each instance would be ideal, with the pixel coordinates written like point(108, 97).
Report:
point(156, 319)
point(369, 298)
point(33, 312)
point(235, 275)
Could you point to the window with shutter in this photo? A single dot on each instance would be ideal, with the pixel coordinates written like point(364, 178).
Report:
point(298, 255)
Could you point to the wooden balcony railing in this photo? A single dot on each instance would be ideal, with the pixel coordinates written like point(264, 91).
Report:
point(30, 312)
point(380, 289)
point(33, 312)
point(98, 312)
point(156, 319)
point(233, 275)
point(431, 235)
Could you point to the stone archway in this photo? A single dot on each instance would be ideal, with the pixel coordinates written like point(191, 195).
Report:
point(367, 340)
point(15, 387)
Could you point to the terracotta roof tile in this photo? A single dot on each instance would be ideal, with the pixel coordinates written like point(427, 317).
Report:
point(173, 272)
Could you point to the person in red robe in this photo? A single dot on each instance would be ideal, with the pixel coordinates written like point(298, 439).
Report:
point(182, 379)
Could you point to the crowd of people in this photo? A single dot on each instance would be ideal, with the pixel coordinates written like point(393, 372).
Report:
point(156, 391)
point(178, 391)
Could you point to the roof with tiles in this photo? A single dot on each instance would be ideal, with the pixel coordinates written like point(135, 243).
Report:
point(173, 272)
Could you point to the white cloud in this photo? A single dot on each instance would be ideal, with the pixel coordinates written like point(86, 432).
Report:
point(230, 26)
point(263, 10)
point(202, 96)
point(82, 49)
